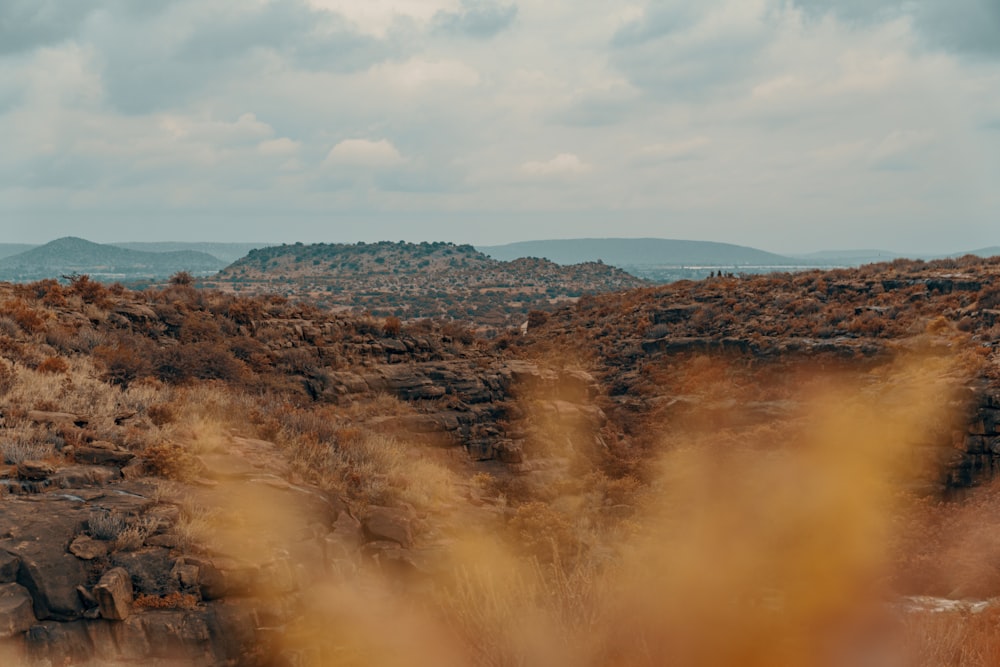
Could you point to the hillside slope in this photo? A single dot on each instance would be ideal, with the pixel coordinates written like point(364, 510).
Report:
point(227, 252)
point(104, 262)
point(415, 280)
point(8, 249)
point(185, 470)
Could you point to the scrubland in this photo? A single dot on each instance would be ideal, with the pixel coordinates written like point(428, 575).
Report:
point(785, 498)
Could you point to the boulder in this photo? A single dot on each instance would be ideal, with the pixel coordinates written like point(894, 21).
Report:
point(348, 383)
point(114, 594)
point(347, 531)
point(186, 574)
point(9, 564)
point(37, 534)
point(16, 614)
point(102, 456)
point(34, 471)
point(54, 643)
point(393, 346)
point(388, 523)
point(136, 312)
point(408, 383)
point(179, 636)
point(85, 547)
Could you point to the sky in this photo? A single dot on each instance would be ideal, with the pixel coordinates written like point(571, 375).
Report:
point(788, 125)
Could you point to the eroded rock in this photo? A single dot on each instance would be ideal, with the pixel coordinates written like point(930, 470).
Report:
point(85, 547)
point(114, 594)
point(388, 523)
point(16, 613)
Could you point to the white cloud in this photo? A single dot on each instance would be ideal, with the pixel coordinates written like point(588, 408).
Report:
point(564, 164)
point(375, 17)
point(794, 116)
point(418, 73)
point(245, 129)
point(900, 149)
point(685, 149)
point(364, 153)
point(282, 146)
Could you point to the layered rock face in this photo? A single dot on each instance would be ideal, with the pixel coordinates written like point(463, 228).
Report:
point(978, 454)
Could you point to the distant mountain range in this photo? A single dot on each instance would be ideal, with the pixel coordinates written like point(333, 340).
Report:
point(657, 260)
point(104, 262)
point(850, 257)
point(992, 251)
point(634, 252)
point(227, 252)
point(8, 249)
point(667, 260)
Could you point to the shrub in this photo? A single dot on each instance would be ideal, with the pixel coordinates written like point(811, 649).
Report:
point(392, 326)
point(105, 525)
point(90, 291)
point(181, 278)
point(160, 414)
point(170, 460)
point(24, 449)
point(53, 365)
point(122, 364)
point(537, 318)
point(24, 315)
point(7, 377)
point(134, 535)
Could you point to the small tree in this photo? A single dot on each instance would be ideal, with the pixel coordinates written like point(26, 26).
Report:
point(181, 279)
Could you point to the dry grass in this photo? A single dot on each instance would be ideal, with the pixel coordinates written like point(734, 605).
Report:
point(951, 639)
point(762, 545)
point(24, 447)
point(106, 525)
point(135, 533)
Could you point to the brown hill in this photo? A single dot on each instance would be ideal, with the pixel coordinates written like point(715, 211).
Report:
point(418, 280)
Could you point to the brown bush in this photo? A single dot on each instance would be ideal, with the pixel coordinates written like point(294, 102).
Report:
point(90, 291)
point(392, 326)
point(203, 361)
point(53, 365)
point(160, 414)
point(170, 460)
point(181, 278)
point(24, 315)
point(122, 364)
point(537, 318)
point(48, 291)
point(244, 311)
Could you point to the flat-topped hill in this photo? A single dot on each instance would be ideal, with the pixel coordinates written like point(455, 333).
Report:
point(415, 280)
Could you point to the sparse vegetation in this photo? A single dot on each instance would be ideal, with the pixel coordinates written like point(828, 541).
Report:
point(654, 451)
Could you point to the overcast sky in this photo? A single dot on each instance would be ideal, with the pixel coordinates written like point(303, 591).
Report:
point(786, 125)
